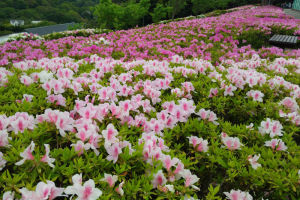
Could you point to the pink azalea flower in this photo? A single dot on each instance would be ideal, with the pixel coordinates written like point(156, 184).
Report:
point(232, 143)
point(26, 80)
point(253, 161)
point(63, 122)
point(9, 195)
point(272, 127)
point(87, 191)
point(110, 133)
point(43, 191)
point(26, 154)
point(87, 112)
point(168, 162)
point(159, 179)
point(290, 103)
point(256, 95)
point(229, 90)
point(48, 191)
point(276, 144)
point(80, 147)
point(113, 152)
point(119, 189)
point(190, 179)
point(110, 179)
point(27, 97)
point(198, 143)
point(2, 161)
point(4, 138)
point(179, 168)
point(213, 92)
point(46, 158)
point(3, 122)
point(60, 100)
point(207, 115)
point(238, 195)
point(21, 121)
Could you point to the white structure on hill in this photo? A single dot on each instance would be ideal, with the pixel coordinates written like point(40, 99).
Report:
point(35, 22)
point(16, 22)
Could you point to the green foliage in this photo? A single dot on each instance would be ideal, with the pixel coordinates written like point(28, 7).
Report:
point(56, 11)
point(160, 12)
point(108, 14)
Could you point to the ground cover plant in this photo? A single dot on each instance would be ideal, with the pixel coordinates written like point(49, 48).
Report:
point(183, 110)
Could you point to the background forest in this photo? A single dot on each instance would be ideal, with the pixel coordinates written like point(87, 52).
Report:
point(112, 14)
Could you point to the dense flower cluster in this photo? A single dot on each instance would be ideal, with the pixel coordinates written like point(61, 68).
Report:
point(160, 125)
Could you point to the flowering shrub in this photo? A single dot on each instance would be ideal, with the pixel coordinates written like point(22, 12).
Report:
point(75, 33)
point(23, 36)
point(77, 123)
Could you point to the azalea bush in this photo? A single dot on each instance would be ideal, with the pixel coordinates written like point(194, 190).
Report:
point(126, 115)
point(75, 33)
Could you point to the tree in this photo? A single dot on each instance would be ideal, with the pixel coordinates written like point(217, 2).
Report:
point(177, 6)
point(108, 14)
point(160, 12)
point(202, 6)
point(145, 6)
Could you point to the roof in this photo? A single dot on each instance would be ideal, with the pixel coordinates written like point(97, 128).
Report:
point(44, 30)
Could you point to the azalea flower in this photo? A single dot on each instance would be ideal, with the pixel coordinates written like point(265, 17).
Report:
point(4, 138)
point(170, 188)
point(87, 191)
point(188, 197)
point(253, 161)
point(26, 154)
point(159, 179)
point(190, 179)
point(113, 152)
point(2, 161)
point(229, 90)
point(213, 92)
point(207, 115)
point(110, 134)
point(232, 143)
point(198, 143)
point(9, 195)
point(3, 122)
point(168, 162)
point(290, 103)
point(45, 76)
point(26, 80)
point(276, 144)
point(20, 121)
point(110, 179)
point(27, 97)
point(250, 126)
point(46, 157)
point(43, 191)
point(80, 147)
point(238, 195)
point(272, 127)
point(256, 95)
point(119, 189)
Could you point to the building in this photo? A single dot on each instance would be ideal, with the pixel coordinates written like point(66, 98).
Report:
point(16, 22)
point(296, 5)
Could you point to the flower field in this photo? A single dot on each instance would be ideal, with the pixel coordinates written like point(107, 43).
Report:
point(193, 109)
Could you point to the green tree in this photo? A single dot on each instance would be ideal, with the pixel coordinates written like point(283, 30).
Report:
point(177, 6)
point(108, 14)
point(145, 6)
point(160, 12)
point(202, 6)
